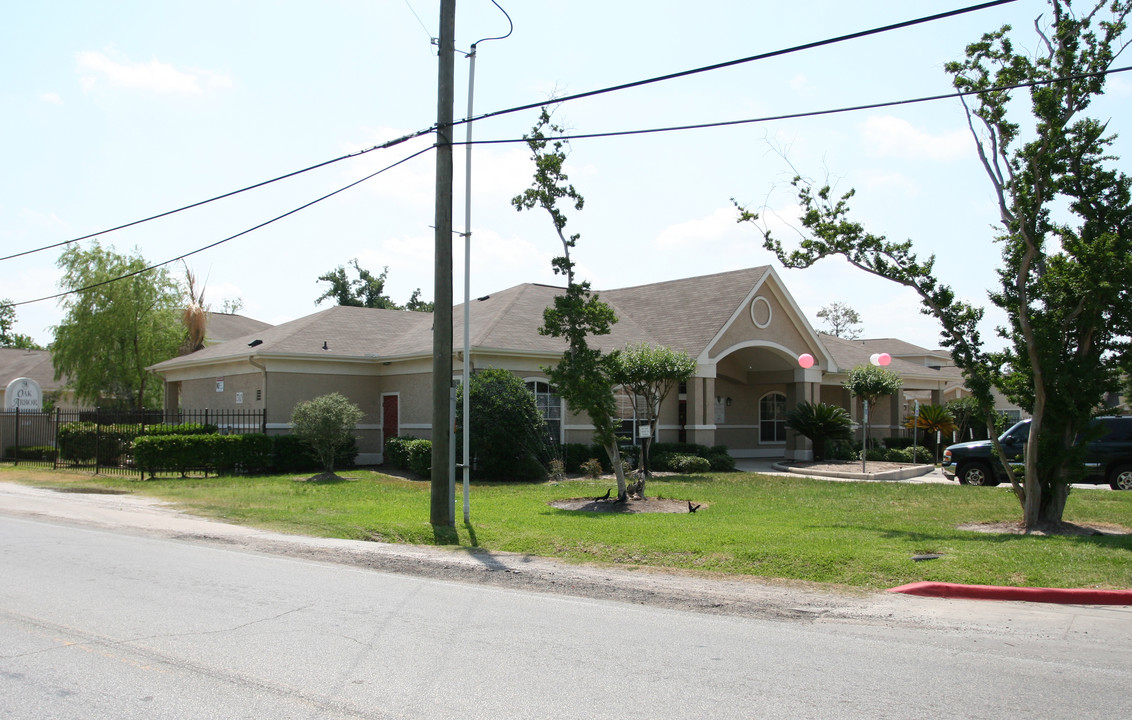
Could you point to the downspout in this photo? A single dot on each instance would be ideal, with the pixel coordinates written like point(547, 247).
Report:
point(263, 371)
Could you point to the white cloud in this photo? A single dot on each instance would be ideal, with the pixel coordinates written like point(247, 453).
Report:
point(51, 98)
point(798, 82)
point(892, 181)
point(114, 69)
point(700, 232)
point(888, 136)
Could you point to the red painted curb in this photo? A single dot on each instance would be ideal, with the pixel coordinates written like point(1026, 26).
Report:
point(1069, 596)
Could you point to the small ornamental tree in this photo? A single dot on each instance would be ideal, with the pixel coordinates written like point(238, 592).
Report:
point(650, 372)
point(326, 424)
point(932, 419)
point(869, 383)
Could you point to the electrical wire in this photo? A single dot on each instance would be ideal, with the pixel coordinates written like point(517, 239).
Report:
point(497, 113)
point(741, 61)
point(811, 113)
point(510, 28)
point(230, 237)
point(167, 213)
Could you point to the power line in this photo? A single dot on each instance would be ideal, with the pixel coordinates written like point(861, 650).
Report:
point(740, 61)
point(497, 113)
point(167, 213)
point(230, 237)
point(811, 113)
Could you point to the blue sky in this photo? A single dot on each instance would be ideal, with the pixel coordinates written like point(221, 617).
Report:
point(118, 110)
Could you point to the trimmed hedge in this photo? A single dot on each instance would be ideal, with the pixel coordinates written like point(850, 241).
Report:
point(81, 441)
point(43, 453)
point(410, 453)
point(225, 454)
point(681, 463)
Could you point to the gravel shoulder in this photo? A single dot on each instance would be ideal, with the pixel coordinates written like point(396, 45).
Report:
point(680, 591)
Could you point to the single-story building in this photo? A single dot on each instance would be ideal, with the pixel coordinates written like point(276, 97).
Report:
point(743, 328)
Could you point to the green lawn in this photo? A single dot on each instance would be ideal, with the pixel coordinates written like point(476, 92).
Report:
point(855, 534)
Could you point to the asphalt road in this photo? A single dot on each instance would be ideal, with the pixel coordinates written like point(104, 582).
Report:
point(125, 622)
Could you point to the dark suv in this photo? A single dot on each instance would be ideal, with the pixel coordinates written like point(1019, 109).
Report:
point(1108, 459)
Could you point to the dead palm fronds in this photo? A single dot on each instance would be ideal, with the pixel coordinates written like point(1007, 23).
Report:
point(194, 317)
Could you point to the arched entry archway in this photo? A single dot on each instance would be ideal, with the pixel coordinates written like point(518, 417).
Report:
point(755, 383)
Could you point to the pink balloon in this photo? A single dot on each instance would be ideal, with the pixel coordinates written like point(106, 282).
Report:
point(884, 359)
point(806, 360)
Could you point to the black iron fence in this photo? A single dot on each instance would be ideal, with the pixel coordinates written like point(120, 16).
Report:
point(101, 440)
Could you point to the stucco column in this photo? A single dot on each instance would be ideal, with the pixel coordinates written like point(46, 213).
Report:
point(805, 388)
point(701, 411)
point(937, 397)
point(896, 413)
point(172, 399)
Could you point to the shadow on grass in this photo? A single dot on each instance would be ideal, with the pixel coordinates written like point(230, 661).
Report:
point(1001, 537)
point(445, 535)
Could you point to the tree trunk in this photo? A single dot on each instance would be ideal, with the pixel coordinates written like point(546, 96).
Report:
point(614, 454)
point(1053, 505)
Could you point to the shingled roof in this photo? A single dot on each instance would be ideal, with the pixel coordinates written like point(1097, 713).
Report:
point(682, 314)
point(34, 364)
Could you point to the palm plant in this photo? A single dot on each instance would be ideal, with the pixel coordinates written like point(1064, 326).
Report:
point(933, 419)
point(821, 423)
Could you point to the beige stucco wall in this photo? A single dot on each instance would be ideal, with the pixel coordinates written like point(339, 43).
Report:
point(780, 329)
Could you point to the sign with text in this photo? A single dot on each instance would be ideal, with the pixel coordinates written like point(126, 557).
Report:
point(24, 394)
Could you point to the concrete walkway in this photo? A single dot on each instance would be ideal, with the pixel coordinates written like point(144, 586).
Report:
point(772, 466)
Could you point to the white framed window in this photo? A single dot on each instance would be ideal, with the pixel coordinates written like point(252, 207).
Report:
point(772, 418)
point(550, 405)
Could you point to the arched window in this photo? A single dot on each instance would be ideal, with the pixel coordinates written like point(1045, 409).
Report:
point(550, 405)
point(772, 418)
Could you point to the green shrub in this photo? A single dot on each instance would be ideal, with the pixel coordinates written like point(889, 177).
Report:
point(899, 455)
point(843, 450)
point(876, 454)
point(721, 462)
point(556, 470)
point(79, 442)
point(326, 424)
point(680, 463)
point(821, 422)
point(592, 468)
point(420, 457)
point(41, 453)
point(507, 434)
point(897, 443)
point(183, 429)
point(290, 454)
point(221, 454)
point(397, 451)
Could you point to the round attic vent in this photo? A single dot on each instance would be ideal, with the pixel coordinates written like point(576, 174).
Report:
point(761, 313)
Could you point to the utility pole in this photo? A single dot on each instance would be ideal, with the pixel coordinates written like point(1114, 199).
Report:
point(443, 505)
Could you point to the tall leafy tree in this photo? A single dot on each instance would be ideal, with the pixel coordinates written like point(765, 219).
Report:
point(843, 320)
point(9, 339)
point(584, 375)
point(650, 372)
point(1065, 232)
point(119, 319)
point(365, 290)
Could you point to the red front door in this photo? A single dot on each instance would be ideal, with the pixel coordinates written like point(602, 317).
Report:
point(388, 417)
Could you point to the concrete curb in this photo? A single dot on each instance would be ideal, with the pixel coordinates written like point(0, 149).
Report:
point(1065, 596)
point(902, 474)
